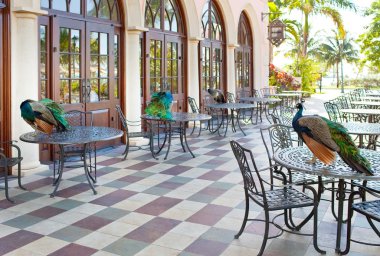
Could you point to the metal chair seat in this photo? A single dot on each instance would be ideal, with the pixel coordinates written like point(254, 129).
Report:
point(9, 162)
point(368, 208)
point(284, 198)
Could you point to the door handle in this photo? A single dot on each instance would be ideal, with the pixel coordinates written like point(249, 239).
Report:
point(84, 89)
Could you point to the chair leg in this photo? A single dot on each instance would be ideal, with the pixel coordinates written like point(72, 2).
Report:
point(6, 185)
point(245, 216)
point(19, 176)
point(126, 151)
point(266, 234)
point(350, 213)
point(192, 131)
point(315, 226)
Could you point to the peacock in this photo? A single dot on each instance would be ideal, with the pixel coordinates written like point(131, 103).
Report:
point(44, 115)
point(217, 95)
point(324, 137)
point(160, 105)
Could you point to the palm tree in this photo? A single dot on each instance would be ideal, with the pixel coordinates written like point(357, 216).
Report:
point(309, 8)
point(335, 50)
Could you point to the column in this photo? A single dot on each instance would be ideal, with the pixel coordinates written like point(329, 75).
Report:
point(231, 82)
point(132, 87)
point(24, 76)
point(193, 68)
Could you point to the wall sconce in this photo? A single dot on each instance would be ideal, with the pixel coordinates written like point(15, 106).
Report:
point(276, 32)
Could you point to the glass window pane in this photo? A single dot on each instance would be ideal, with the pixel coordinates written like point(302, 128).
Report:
point(45, 3)
point(64, 95)
point(43, 89)
point(94, 67)
point(59, 5)
point(75, 88)
point(43, 38)
point(103, 66)
point(75, 40)
point(115, 14)
point(94, 42)
point(94, 94)
point(104, 11)
point(75, 66)
point(75, 6)
point(64, 40)
point(103, 43)
point(43, 66)
point(104, 89)
point(156, 11)
point(174, 85)
point(116, 89)
point(64, 66)
point(91, 8)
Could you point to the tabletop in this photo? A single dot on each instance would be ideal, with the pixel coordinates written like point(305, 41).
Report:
point(297, 158)
point(180, 117)
point(231, 106)
point(362, 128)
point(363, 111)
point(259, 99)
point(75, 135)
point(370, 98)
point(297, 92)
point(369, 103)
point(285, 95)
point(374, 94)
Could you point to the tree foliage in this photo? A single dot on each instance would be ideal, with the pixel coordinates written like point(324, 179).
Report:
point(370, 40)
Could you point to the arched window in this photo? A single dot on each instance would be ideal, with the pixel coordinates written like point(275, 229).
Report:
point(80, 56)
point(244, 58)
point(164, 48)
point(212, 51)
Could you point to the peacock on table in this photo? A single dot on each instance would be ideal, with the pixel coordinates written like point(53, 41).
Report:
point(160, 105)
point(217, 95)
point(44, 115)
point(325, 138)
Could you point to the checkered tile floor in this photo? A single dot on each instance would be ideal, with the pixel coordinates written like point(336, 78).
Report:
point(179, 206)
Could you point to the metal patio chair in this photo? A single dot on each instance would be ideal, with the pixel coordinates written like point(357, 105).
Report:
point(281, 198)
point(126, 124)
point(195, 109)
point(6, 163)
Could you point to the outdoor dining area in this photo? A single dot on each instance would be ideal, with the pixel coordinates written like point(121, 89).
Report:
point(222, 182)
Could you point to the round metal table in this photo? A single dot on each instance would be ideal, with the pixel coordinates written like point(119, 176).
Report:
point(75, 135)
point(180, 117)
point(261, 106)
point(372, 130)
point(298, 158)
point(362, 113)
point(234, 107)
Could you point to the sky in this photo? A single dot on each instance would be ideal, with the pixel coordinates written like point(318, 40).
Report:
point(354, 23)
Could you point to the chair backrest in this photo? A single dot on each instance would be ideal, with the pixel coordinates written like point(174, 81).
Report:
point(230, 97)
point(276, 137)
point(193, 104)
point(343, 102)
point(79, 118)
point(133, 125)
point(243, 94)
point(251, 176)
point(332, 110)
point(283, 115)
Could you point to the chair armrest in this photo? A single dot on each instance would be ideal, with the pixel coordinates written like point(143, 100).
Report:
point(8, 142)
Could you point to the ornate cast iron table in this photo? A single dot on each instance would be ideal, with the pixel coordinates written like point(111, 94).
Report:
point(262, 104)
point(297, 158)
point(363, 113)
point(372, 130)
point(182, 118)
point(75, 135)
point(234, 107)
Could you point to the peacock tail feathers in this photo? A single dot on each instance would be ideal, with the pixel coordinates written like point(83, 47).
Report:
point(160, 105)
point(349, 152)
point(58, 113)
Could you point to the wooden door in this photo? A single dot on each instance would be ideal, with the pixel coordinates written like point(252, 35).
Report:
point(211, 70)
point(1, 76)
point(165, 68)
